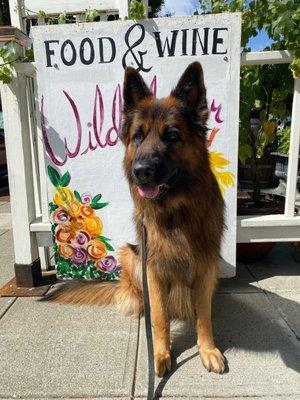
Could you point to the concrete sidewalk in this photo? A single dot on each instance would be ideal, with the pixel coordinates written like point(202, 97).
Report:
point(54, 351)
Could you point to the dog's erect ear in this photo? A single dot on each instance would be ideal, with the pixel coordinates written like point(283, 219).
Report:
point(191, 90)
point(134, 89)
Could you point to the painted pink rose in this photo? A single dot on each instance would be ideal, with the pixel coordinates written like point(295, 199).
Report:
point(82, 238)
point(79, 256)
point(86, 198)
point(60, 216)
point(108, 265)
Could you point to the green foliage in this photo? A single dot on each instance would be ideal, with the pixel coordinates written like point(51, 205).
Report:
point(136, 10)
point(263, 92)
point(90, 15)
point(267, 90)
point(280, 18)
point(284, 140)
point(9, 55)
point(155, 7)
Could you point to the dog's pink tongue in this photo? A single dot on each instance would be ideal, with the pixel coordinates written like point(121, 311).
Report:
point(150, 192)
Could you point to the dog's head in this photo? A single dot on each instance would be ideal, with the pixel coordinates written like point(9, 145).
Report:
point(164, 138)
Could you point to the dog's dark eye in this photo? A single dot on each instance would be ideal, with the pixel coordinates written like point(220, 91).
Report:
point(139, 136)
point(171, 136)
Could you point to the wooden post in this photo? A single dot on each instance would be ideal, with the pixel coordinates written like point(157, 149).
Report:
point(293, 154)
point(16, 10)
point(123, 8)
point(20, 174)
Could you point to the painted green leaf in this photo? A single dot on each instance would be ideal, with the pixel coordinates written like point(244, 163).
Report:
point(108, 245)
point(97, 206)
point(52, 207)
point(103, 238)
point(54, 176)
point(65, 180)
point(96, 198)
point(77, 195)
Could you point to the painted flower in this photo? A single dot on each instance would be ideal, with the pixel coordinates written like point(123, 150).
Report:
point(86, 198)
point(77, 223)
point(74, 208)
point(60, 216)
point(64, 235)
point(218, 162)
point(93, 225)
point(108, 265)
point(87, 211)
point(82, 238)
point(79, 256)
point(63, 196)
point(66, 250)
point(97, 249)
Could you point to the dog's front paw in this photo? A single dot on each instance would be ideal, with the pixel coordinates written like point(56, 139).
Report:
point(162, 363)
point(213, 360)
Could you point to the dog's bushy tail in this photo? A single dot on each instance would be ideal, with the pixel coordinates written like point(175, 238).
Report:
point(126, 293)
point(84, 292)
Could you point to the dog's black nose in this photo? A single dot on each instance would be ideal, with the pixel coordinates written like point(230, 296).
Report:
point(143, 171)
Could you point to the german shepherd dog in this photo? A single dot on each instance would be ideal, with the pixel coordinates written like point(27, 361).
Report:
point(177, 197)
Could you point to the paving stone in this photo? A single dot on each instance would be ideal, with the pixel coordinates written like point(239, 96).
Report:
point(243, 282)
point(69, 398)
point(278, 271)
point(5, 207)
point(262, 352)
point(288, 306)
point(5, 303)
point(55, 350)
point(294, 397)
point(6, 243)
point(6, 268)
point(279, 397)
point(5, 221)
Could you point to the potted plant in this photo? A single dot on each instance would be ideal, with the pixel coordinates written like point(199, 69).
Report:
point(281, 155)
point(265, 101)
point(263, 88)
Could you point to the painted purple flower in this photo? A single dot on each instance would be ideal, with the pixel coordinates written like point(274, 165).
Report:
point(82, 238)
point(86, 198)
point(79, 256)
point(108, 264)
point(60, 216)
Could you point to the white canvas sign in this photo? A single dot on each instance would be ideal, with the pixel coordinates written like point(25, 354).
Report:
point(80, 69)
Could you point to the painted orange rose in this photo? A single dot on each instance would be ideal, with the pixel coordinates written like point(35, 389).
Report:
point(77, 224)
point(87, 211)
point(74, 208)
point(66, 250)
point(64, 235)
point(63, 196)
point(97, 249)
point(93, 225)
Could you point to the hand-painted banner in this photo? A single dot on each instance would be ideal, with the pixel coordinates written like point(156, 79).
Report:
point(80, 70)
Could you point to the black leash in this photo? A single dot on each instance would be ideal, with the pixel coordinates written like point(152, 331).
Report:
point(147, 314)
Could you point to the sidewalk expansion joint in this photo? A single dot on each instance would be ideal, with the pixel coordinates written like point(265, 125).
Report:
point(136, 360)
point(8, 307)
